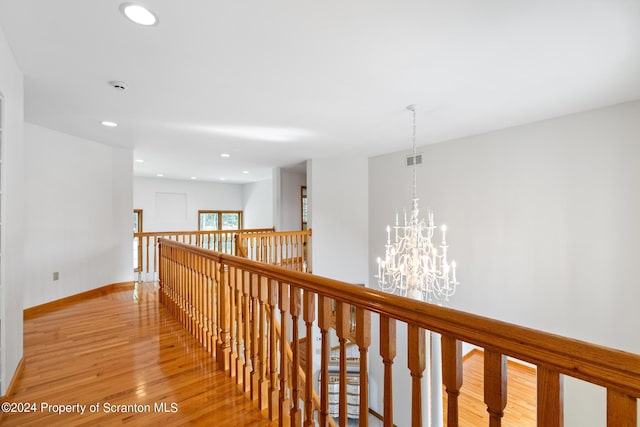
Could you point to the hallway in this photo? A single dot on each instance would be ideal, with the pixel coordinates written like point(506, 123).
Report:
point(123, 353)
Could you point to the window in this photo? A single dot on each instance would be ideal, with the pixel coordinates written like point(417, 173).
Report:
point(219, 220)
point(137, 220)
point(303, 206)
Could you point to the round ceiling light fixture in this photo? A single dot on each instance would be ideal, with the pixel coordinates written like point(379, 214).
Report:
point(109, 124)
point(139, 14)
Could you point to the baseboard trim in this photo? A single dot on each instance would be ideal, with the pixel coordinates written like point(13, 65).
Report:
point(472, 352)
point(16, 375)
point(510, 361)
point(56, 304)
point(378, 416)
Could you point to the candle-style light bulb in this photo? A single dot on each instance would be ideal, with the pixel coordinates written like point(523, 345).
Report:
point(453, 268)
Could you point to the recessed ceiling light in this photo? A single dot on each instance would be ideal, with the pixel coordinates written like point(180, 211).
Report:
point(139, 161)
point(225, 155)
point(138, 14)
point(160, 174)
point(109, 124)
point(193, 177)
point(245, 171)
point(223, 179)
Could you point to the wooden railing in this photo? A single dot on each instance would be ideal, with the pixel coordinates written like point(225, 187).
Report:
point(288, 249)
point(230, 304)
point(145, 245)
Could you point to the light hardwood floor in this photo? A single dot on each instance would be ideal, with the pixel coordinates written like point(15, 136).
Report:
point(521, 394)
point(123, 348)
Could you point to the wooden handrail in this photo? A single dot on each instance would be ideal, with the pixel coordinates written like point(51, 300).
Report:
point(146, 245)
point(617, 371)
point(288, 249)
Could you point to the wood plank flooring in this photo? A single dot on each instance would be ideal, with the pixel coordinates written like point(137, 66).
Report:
point(123, 348)
point(521, 395)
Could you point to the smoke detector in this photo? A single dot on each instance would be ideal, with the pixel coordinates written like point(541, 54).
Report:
point(118, 84)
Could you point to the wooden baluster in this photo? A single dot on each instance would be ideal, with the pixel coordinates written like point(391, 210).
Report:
point(309, 315)
point(155, 257)
point(239, 327)
point(622, 409)
point(201, 313)
point(285, 403)
point(196, 293)
point(264, 337)
point(257, 334)
point(193, 313)
point(170, 283)
point(161, 276)
point(417, 364)
point(550, 406)
point(296, 306)
point(388, 353)
point(139, 255)
point(324, 323)
point(363, 339)
point(495, 386)
point(233, 325)
point(271, 252)
point(214, 308)
point(185, 291)
point(249, 319)
point(190, 296)
point(224, 311)
point(274, 406)
point(181, 285)
point(206, 284)
point(451, 376)
point(176, 287)
point(198, 298)
point(147, 254)
point(343, 328)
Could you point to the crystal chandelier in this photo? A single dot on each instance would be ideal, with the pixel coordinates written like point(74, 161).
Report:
point(413, 267)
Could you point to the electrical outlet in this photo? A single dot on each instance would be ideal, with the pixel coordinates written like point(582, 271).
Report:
point(56, 275)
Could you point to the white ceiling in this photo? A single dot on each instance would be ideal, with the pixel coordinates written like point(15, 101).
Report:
point(273, 83)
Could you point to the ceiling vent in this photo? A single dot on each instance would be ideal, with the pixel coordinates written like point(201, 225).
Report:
point(118, 84)
point(414, 159)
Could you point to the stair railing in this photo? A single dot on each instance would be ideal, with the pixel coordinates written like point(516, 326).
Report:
point(231, 304)
point(145, 245)
point(289, 249)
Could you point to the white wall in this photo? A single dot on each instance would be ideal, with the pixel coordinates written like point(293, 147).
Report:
point(79, 212)
point(543, 222)
point(338, 201)
point(337, 214)
point(11, 89)
point(287, 202)
point(257, 199)
point(188, 197)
